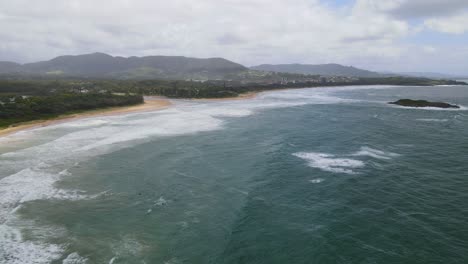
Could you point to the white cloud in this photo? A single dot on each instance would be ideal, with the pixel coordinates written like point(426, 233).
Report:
point(429, 49)
point(424, 8)
point(247, 31)
point(457, 24)
point(301, 30)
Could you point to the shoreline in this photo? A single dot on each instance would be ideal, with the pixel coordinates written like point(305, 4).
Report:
point(243, 96)
point(151, 103)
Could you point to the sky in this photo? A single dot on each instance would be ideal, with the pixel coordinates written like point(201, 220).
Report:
point(380, 35)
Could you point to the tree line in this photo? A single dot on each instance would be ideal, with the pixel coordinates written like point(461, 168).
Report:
point(20, 108)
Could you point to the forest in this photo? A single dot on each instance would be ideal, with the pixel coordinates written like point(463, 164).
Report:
point(21, 108)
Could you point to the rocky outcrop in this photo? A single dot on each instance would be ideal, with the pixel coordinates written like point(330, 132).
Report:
point(422, 103)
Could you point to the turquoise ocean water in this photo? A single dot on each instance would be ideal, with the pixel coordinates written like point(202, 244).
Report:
point(322, 175)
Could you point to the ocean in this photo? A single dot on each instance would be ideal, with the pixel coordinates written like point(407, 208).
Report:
point(320, 175)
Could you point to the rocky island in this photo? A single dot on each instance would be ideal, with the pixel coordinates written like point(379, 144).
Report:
point(423, 103)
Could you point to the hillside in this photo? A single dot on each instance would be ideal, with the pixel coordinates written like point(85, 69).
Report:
point(100, 65)
point(319, 69)
point(9, 67)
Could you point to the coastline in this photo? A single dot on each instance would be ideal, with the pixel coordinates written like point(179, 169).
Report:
point(243, 96)
point(151, 103)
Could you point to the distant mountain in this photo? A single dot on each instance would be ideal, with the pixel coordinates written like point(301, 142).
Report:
point(9, 67)
point(319, 69)
point(100, 65)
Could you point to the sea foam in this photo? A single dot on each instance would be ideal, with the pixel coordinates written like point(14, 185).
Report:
point(432, 120)
point(14, 250)
point(343, 163)
point(375, 153)
point(75, 258)
point(28, 185)
point(319, 180)
point(331, 163)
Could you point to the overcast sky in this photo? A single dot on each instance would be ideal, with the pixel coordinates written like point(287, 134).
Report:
point(384, 35)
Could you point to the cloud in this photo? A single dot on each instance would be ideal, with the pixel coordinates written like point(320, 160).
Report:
point(408, 9)
point(247, 31)
point(457, 24)
point(298, 28)
point(429, 49)
point(230, 39)
point(447, 16)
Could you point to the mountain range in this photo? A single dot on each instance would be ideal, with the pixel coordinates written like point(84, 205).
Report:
point(101, 65)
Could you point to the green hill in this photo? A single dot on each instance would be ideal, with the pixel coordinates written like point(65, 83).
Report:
point(100, 65)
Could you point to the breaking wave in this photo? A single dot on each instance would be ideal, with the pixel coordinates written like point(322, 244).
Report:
point(375, 153)
point(432, 120)
point(342, 163)
point(331, 163)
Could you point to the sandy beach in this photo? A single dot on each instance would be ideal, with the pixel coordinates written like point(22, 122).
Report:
point(151, 103)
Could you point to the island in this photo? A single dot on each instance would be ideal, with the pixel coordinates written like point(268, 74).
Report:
point(423, 103)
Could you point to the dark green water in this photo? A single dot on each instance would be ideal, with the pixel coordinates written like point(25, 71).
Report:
point(303, 176)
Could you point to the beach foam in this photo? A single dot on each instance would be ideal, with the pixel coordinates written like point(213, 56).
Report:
point(84, 123)
point(28, 185)
point(14, 250)
point(301, 96)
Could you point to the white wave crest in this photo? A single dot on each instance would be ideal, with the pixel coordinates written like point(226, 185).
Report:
point(319, 180)
point(432, 120)
point(74, 258)
point(342, 164)
point(89, 122)
point(328, 162)
point(28, 185)
point(14, 250)
point(375, 153)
